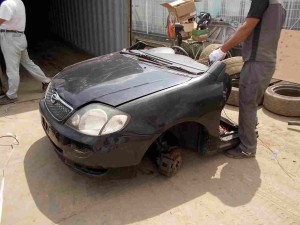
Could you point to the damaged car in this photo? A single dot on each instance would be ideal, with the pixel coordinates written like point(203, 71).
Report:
point(110, 111)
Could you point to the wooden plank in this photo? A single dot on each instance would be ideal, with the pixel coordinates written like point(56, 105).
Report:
point(288, 57)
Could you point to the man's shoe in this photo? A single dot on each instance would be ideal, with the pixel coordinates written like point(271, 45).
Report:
point(45, 86)
point(6, 100)
point(237, 153)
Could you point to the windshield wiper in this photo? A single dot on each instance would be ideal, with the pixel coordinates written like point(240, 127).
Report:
point(164, 62)
point(146, 56)
point(183, 70)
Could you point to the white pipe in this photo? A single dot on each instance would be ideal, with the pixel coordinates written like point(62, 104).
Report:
point(147, 16)
point(294, 24)
point(1, 197)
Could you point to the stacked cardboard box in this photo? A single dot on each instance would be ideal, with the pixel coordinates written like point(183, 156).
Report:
point(183, 9)
point(185, 12)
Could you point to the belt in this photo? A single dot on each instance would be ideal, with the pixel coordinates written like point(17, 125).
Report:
point(12, 31)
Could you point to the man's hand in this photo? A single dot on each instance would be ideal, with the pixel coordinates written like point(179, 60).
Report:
point(240, 35)
point(216, 55)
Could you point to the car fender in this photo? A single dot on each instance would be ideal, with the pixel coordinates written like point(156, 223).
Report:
point(199, 100)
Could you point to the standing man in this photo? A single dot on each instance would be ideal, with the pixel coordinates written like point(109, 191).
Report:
point(14, 47)
point(260, 33)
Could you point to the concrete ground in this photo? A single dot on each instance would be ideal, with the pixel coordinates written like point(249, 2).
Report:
point(40, 189)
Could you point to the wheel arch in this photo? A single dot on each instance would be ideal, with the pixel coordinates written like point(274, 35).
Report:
point(189, 135)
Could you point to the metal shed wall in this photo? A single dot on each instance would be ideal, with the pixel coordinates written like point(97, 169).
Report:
point(96, 26)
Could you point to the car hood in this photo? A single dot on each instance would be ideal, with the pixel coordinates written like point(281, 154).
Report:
point(113, 79)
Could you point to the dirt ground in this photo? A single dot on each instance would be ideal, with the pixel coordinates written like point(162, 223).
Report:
point(40, 189)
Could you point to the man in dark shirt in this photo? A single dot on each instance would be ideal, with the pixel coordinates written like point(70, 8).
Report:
point(260, 35)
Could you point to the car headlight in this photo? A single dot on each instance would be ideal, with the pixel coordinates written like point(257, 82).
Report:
point(97, 119)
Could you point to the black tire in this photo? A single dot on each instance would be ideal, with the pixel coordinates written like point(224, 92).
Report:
point(234, 66)
point(206, 52)
point(233, 98)
point(180, 51)
point(283, 99)
point(203, 58)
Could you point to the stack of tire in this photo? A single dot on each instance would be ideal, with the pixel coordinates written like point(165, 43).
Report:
point(281, 98)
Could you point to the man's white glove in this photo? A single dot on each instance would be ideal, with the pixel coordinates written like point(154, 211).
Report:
point(216, 55)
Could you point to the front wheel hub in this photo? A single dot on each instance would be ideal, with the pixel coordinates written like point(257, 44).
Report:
point(170, 162)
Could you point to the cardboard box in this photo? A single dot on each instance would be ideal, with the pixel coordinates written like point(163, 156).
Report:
point(183, 9)
point(200, 38)
point(188, 27)
point(186, 36)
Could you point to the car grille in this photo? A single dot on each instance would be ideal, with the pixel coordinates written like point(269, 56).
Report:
point(57, 107)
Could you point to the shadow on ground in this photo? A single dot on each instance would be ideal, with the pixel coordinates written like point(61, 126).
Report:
point(264, 110)
point(66, 197)
point(10, 111)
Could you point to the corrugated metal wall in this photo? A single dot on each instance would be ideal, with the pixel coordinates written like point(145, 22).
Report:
point(293, 14)
point(96, 26)
point(234, 10)
point(150, 17)
point(237, 10)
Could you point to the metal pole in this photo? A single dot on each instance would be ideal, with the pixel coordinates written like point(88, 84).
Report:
point(147, 16)
point(130, 22)
point(295, 24)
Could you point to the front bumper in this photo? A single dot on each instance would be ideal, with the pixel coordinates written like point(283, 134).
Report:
point(90, 154)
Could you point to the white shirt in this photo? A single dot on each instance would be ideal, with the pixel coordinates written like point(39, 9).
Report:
point(13, 11)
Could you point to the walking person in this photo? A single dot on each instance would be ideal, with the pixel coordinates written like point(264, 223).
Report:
point(260, 33)
point(14, 47)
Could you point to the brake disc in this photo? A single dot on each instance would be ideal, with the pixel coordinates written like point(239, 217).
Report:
point(170, 162)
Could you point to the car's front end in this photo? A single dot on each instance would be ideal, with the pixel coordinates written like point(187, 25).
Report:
point(106, 112)
point(80, 112)
point(86, 139)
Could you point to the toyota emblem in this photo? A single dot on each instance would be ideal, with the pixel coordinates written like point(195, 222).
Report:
point(54, 98)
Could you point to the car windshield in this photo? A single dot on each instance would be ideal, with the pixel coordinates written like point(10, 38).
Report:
point(170, 60)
